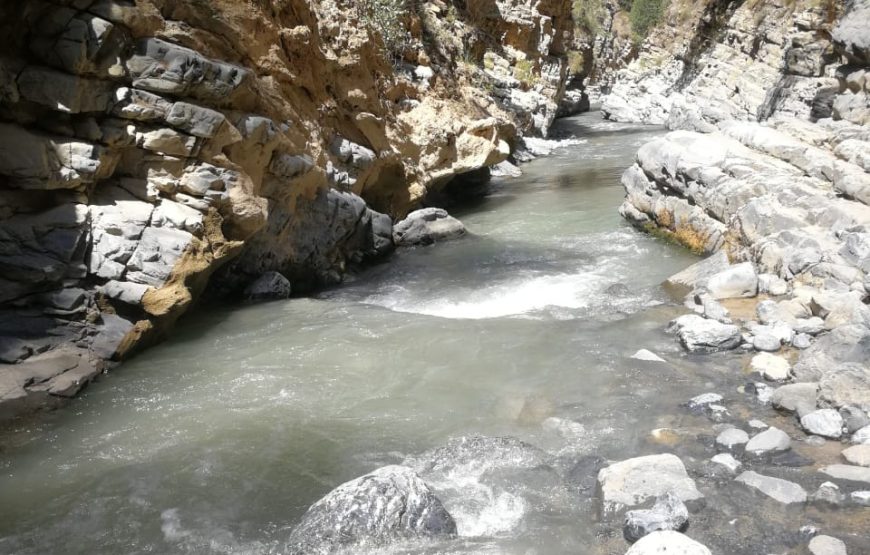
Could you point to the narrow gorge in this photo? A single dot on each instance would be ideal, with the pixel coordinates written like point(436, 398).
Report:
point(435, 276)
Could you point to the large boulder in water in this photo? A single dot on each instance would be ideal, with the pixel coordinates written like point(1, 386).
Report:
point(390, 504)
point(427, 226)
point(632, 482)
point(269, 286)
point(701, 335)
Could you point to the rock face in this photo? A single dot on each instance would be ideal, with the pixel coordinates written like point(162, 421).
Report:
point(151, 152)
point(390, 504)
point(767, 165)
point(270, 285)
point(631, 482)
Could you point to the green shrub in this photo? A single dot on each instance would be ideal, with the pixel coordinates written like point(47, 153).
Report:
point(644, 15)
point(587, 15)
point(386, 17)
point(524, 71)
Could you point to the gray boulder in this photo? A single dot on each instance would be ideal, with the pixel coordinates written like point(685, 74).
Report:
point(795, 397)
point(632, 482)
point(667, 541)
point(739, 280)
point(771, 439)
point(270, 285)
point(390, 504)
point(427, 226)
point(823, 422)
point(781, 490)
point(668, 513)
point(700, 335)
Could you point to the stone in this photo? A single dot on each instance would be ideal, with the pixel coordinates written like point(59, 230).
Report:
point(809, 326)
point(668, 513)
point(64, 92)
point(167, 141)
point(846, 384)
point(631, 482)
point(703, 400)
point(124, 291)
point(696, 275)
point(737, 281)
point(772, 367)
point(796, 397)
point(389, 504)
point(862, 435)
point(771, 439)
point(860, 498)
point(728, 461)
point(667, 541)
point(823, 422)
point(732, 437)
point(781, 490)
point(772, 284)
point(826, 545)
point(848, 473)
point(757, 424)
point(854, 418)
point(195, 120)
point(801, 341)
point(427, 226)
point(269, 286)
point(647, 356)
point(766, 342)
point(828, 493)
point(700, 335)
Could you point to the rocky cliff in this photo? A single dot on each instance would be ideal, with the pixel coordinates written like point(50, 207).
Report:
point(770, 165)
point(150, 149)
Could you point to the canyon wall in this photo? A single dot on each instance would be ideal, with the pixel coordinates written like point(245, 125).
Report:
point(150, 150)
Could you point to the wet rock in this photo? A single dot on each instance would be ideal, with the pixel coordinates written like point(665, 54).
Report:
point(801, 341)
point(670, 542)
point(846, 384)
point(828, 493)
point(796, 397)
point(766, 342)
point(631, 482)
point(772, 367)
point(854, 418)
point(269, 286)
point(700, 335)
point(701, 401)
point(583, 475)
point(392, 503)
point(728, 461)
point(427, 226)
point(860, 498)
point(826, 545)
point(668, 513)
point(823, 422)
point(861, 436)
point(781, 490)
point(648, 356)
point(857, 454)
point(848, 473)
point(772, 284)
point(739, 280)
point(732, 437)
point(757, 424)
point(771, 439)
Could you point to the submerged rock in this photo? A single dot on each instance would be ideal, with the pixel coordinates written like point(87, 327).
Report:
point(771, 439)
point(669, 542)
point(772, 367)
point(390, 504)
point(732, 437)
point(727, 460)
point(668, 513)
point(647, 356)
point(631, 482)
point(427, 226)
point(775, 488)
point(269, 286)
point(847, 473)
point(796, 397)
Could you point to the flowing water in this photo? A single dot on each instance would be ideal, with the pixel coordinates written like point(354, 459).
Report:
point(218, 440)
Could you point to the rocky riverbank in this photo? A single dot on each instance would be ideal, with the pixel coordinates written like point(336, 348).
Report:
point(152, 150)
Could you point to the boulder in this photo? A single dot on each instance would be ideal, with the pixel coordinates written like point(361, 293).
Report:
point(826, 545)
point(739, 280)
point(631, 482)
point(823, 422)
point(427, 226)
point(668, 513)
point(795, 397)
point(772, 367)
point(387, 505)
point(269, 286)
point(854, 418)
point(828, 493)
point(770, 440)
point(781, 490)
point(700, 335)
point(846, 384)
point(669, 542)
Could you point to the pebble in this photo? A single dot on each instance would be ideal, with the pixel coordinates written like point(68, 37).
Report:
point(826, 545)
point(727, 460)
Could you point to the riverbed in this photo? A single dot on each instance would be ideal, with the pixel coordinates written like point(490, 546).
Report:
point(219, 439)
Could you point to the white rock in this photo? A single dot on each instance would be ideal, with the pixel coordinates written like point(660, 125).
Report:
point(771, 439)
point(703, 400)
point(775, 488)
point(772, 367)
point(731, 437)
point(862, 435)
point(769, 283)
point(727, 460)
point(826, 545)
point(847, 472)
point(631, 482)
point(667, 542)
point(757, 424)
point(861, 498)
point(739, 280)
point(857, 454)
point(699, 334)
point(823, 422)
point(649, 356)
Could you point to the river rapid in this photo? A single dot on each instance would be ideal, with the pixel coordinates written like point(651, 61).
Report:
point(219, 439)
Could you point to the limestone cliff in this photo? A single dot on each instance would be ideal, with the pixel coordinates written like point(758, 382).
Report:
point(149, 149)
